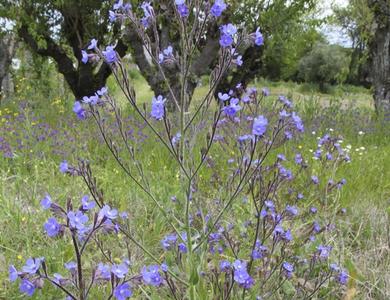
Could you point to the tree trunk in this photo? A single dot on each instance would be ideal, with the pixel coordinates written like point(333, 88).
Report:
point(380, 55)
point(7, 51)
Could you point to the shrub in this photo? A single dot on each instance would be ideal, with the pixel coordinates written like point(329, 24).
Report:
point(245, 221)
point(325, 64)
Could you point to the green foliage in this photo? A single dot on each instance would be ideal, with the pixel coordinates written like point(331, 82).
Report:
point(325, 64)
point(356, 20)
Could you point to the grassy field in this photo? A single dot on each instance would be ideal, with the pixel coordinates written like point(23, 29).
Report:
point(42, 135)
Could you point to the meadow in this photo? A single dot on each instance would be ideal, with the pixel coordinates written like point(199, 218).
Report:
point(37, 134)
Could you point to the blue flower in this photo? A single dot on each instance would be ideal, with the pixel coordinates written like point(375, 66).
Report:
point(120, 271)
point(259, 40)
point(218, 7)
point(259, 126)
point(225, 40)
point(287, 269)
point(169, 241)
point(342, 277)
point(87, 205)
point(123, 291)
point(27, 287)
point(84, 56)
point(110, 55)
point(64, 167)
point(46, 201)
point(13, 273)
point(32, 265)
point(183, 10)
point(77, 219)
point(323, 251)
point(93, 44)
point(71, 266)
point(229, 29)
point(225, 266)
point(79, 110)
point(232, 108)
point(158, 110)
point(315, 179)
point(298, 122)
point(151, 275)
point(291, 210)
point(103, 271)
point(109, 213)
point(52, 227)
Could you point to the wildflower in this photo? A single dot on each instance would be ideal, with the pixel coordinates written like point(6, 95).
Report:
point(84, 56)
point(259, 40)
point(228, 31)
point(225, 40)
point(87, 205)
point(123, 291)
point(342, 277)
point(168, 241)
point(102, 91)
point(223, 97)
point(77, 220)
point(298, 122)
point(315, 179)
point(64, 168)
point(265, 92)
point(158, 110)
point(259, 251)
point(218, 7)
point(111, 16)
point(182, 8)
point(151, 275)
point(110, 55)
point(287, 269)
point(291, 210)
point(225, 266)
point(283, 114)
point(27, 287)
point(32, 265)
point(93, 44)
point(107, 212)
point(298, 159)
point(103, 271)
point(71, 266)
point(164, 267)
point(120, 271)
point(166, 54)
point(259, 126)
point(13, 273)
point(46, 201)
point(241, 275)
point(79, 110)
point(233, 108)
point(52, 227)
point(182, 248)
point(323, 251)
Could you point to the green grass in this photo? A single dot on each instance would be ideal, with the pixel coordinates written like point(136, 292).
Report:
point(363, 245)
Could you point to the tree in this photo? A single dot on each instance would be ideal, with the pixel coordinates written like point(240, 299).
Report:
point(325, 64)
point(7, 51)
point(357, 21)
point(379, 49)
point(60, 30)
point(272, 17)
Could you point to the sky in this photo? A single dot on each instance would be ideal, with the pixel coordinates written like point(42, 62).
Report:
point(334, 34)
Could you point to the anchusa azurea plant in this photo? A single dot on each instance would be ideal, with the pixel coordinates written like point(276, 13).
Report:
point(248, 219)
